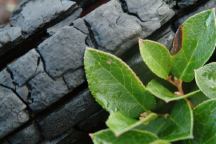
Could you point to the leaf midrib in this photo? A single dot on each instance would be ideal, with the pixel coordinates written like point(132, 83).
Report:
point(131, 94)
point(193, 52)
point(159, 65)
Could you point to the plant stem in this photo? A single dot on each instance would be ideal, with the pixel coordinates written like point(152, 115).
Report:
point(180, 88)
point(178, 84)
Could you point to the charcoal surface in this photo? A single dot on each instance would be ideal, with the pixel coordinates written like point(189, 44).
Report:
point(43, 89)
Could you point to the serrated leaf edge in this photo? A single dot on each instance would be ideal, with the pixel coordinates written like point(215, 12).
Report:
point(176, 98)
point(188, 64)
point(141, 43)
point(112, 56)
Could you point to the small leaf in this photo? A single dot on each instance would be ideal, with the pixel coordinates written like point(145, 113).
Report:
point(131, 137)
point(178, 125)
point(119, 124)
point(157, 57)
point(163, 93)
point(204, 123)
point(206, 79)
point(197, 43)
point(114, 85)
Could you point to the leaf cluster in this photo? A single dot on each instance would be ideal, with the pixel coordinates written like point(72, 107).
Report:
point(155, 113)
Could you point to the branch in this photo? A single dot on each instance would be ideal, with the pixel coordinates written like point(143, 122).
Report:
point(178, 84)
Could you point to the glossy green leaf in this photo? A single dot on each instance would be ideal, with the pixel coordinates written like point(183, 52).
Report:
point(198, 98)
point(196, 43)
point(204, 123)
point(163, 93)
point(131, 137)
point(119, 123)
point(206, 79)
point(114, 85)
point(157, 57)
point(178, 125)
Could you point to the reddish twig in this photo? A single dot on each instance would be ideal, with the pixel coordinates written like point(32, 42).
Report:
point(178, 84)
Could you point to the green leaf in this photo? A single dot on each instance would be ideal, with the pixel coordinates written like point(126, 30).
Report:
point(196, 43)
point(114, 85)
point(206, 79)
point(204, 123)
point(157, 57)
point(198, 98)
point(120, 123)
point(178, 125)
point(131, 137)
point(160, 142)
point(163, 93)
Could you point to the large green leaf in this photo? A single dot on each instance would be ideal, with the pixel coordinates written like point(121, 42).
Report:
point(204, 123)
point(178, 125)
point(114, 85)
point(206, 79)
point(157, 57)
point(131, 137)
point(163, 93)
point(120, 123)
point(196, 43)
point(198, 98)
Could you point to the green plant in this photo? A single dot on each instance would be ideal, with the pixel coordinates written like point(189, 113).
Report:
point(155, 114)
